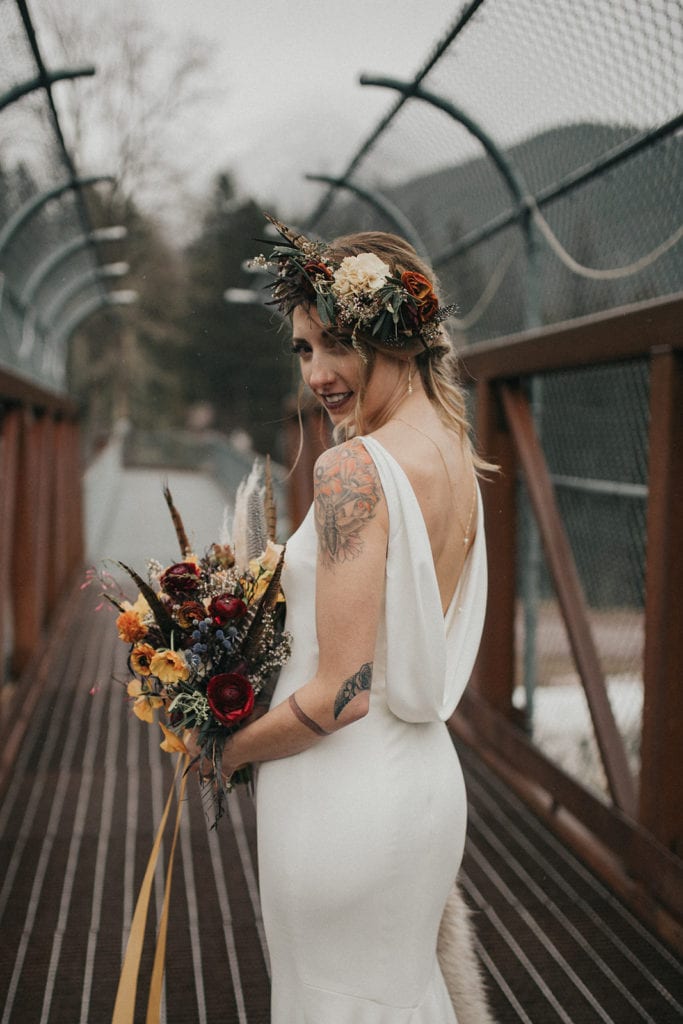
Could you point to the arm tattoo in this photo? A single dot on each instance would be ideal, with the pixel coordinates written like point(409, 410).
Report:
point(347, 491)
point(304, 719)
point(360, 680)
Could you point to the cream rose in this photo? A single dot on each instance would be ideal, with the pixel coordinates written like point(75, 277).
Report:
point(363, 273)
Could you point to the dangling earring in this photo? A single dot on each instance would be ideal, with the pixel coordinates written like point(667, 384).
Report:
point(410, 378)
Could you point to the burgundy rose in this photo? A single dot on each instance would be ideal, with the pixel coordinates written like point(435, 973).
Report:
point(230, 697)
point(224, 608)
point(180, 578)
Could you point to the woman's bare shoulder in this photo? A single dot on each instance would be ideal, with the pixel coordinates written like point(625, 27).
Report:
point(347, 497)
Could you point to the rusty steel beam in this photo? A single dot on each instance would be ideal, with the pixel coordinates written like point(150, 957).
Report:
point(10, 426)
point(494, 673)
point(570, 596)
point(629, 332)
point(661, 806)
point(28, 593)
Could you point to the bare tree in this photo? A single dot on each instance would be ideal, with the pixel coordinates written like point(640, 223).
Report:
point(130, 118)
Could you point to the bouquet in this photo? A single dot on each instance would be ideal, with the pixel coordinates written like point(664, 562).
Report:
point(206, 637)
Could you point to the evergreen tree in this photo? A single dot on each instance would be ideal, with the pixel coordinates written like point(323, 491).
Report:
point(238, 355)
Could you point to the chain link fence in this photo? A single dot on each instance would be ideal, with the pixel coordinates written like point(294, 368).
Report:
point(538, 156)
point(53, 265)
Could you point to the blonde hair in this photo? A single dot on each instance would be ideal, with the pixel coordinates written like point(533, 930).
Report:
point(438, 366)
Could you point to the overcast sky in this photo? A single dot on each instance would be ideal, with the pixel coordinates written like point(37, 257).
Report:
point(290, 70)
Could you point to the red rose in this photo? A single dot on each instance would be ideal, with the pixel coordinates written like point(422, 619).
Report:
point(180, 578)
point(225, 607)
point(230, 697)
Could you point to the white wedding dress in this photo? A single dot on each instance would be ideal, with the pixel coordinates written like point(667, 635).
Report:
point(360, 837)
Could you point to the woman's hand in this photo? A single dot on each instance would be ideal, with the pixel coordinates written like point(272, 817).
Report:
point(190, 739)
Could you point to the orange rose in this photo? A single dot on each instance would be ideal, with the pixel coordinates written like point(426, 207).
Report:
point(416, 285)
point(421, 290)
point(130, 628)
point(314, 268)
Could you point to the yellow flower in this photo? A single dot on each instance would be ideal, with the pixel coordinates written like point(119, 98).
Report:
point(130, 627)
point(140, 606)
point(271, 556)
point(262, 569)
point(171, 742)
point(140, 658)
point(169, 666)
point(145, 702)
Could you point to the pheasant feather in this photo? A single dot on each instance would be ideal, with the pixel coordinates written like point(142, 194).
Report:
point(163, 618)
point(294, 239)
point(250, 531)
point(269, 503)
point(185, 547)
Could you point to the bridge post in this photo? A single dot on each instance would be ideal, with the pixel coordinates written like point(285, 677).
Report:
point(494, 673)
point(661, 807)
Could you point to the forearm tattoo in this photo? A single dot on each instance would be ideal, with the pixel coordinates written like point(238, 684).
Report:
point(359, 681)
point(347, 491)
point(304, 719)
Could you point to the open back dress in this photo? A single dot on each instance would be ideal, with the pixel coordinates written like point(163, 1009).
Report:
point(360, 837)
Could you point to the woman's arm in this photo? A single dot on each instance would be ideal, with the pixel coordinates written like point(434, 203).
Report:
point(352, 524)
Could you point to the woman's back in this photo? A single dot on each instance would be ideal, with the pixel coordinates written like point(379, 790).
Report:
point(440, 471)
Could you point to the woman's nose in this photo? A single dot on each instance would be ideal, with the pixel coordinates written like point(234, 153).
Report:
point(321, 371)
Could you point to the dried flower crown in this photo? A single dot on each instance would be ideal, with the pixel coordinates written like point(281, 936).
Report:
point(398, 314)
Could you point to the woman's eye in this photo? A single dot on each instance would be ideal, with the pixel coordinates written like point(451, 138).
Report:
point(341, 343)
point(298, 348)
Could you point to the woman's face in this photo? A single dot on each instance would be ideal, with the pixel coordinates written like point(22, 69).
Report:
point(333, 371)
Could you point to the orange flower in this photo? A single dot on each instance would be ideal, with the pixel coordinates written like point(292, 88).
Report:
point(171, 742)
point(315, 268)
point(130, 628)
point(422, 291)
point(169, 666)
point(140, 658)
point(416, 285)
point(145, 702)
point(189, 611)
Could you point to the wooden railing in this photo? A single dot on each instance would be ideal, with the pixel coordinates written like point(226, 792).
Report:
point(637, 836)
point(41, 527)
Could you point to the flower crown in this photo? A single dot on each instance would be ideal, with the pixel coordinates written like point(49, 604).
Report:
point(397, 314)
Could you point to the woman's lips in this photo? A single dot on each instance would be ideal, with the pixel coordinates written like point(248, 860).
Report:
point(336, 401)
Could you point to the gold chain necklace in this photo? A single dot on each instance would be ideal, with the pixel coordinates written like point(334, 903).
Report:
point(465, 529)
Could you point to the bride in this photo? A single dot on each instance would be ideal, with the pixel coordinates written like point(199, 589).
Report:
point(360, 797)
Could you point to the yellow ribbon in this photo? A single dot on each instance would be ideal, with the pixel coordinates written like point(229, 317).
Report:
point(154, 1003)
point(124, 1007)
